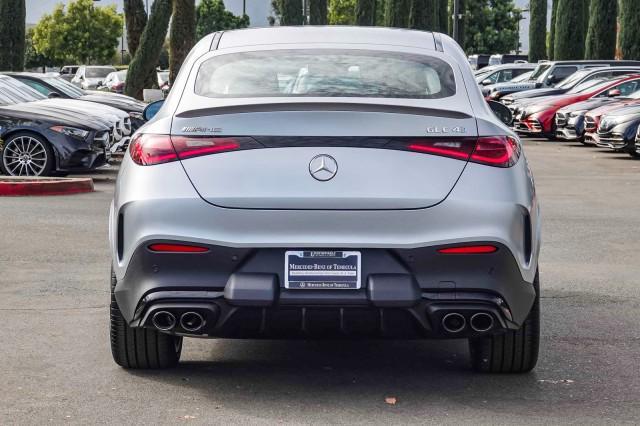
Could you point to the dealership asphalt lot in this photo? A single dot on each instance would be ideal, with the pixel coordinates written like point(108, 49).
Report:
point(56, 365)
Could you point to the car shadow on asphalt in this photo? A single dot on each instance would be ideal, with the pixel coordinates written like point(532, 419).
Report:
point(294, 371)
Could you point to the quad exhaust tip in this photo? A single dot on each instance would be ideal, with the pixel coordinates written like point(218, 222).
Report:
point(453, 322)
point(191, 321)
point(163, 320)
point(481, 322)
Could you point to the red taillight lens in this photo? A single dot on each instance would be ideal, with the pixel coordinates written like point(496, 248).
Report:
point(483, 249)
point(497, 151)
point(188, 147)
point(148, 149)
point(460, 148)
point(177, 248)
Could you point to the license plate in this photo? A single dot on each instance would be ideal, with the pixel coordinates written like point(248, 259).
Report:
point(322, 270)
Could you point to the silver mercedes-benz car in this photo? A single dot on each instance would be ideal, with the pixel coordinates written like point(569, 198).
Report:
point(325, 182)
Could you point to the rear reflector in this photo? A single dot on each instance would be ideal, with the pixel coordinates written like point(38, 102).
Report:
point(497, 151)
point(177, 248)
point(469, 250)
point(149, 149)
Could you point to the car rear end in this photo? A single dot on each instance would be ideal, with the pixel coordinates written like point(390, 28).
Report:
point(317, 190)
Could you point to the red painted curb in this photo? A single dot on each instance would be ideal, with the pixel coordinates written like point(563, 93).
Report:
point(16, 186)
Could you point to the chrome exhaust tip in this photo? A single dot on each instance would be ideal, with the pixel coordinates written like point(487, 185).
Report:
point(453, 322)
point(481, 322)
point(163, 320)
point(192, 321)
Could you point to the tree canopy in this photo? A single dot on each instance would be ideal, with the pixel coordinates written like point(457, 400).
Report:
point(342, 12)
point(80, 33)
point(571, 24)
point(601, 34)
point(630, 29)
point(490, 26)
point(538, 30)
point(212, 16)
point(12, 35)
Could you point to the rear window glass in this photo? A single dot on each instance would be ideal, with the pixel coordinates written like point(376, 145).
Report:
point(325, 73)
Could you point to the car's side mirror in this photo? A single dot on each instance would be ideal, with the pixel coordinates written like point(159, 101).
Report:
point(152, 109)
point(486, 82)
point(613, 93)
point(502, 112)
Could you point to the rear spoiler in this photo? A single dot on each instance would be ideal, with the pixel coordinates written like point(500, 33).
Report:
point(322, 106)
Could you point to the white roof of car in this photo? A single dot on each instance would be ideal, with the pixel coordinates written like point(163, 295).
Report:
point(319, 34)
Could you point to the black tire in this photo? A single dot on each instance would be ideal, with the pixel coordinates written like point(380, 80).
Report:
point(511, 351)
point(140, 348)
point(49, 164)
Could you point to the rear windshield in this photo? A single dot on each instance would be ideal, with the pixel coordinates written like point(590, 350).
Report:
point(92, 72)
point(325, 73)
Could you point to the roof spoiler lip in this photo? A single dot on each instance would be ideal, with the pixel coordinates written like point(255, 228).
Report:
point(321, 106)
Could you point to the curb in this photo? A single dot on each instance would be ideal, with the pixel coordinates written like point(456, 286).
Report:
point(19, 186)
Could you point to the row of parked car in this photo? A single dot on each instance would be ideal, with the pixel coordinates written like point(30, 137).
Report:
point(49, 126)
point(104, 77)
point(594, 102)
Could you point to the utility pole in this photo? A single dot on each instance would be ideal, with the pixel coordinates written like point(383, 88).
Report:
point(244, 7)
point(456, 17)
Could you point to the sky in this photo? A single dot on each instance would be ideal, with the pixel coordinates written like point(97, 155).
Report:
point(258, 10)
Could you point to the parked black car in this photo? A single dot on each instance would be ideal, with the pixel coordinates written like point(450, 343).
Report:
point(570, 120)
point(36, 142)
point(57, 87)
point(548, 74)
point(617, 130)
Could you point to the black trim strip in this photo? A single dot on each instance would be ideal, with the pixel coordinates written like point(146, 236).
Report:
point(321, 106)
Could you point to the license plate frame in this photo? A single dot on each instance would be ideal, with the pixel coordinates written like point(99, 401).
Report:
point(323, 270)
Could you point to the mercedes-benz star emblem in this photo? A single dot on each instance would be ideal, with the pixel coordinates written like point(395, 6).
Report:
point(323, 167)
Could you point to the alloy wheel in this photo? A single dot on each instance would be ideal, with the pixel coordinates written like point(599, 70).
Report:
point(24, 156)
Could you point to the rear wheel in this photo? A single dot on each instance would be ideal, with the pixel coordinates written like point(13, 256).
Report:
point(511, 351)
point(140, 348)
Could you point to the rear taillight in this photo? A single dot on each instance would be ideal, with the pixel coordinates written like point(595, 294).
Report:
point(188, 147)
point(149, 149)
point(497, 151)
point(460, 148)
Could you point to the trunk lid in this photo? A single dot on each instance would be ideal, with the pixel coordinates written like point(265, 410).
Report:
point(369, 176)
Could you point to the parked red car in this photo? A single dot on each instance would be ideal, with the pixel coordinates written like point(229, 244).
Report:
point(537, 118)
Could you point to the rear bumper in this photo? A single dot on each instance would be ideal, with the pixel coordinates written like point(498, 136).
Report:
point(406, 293)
